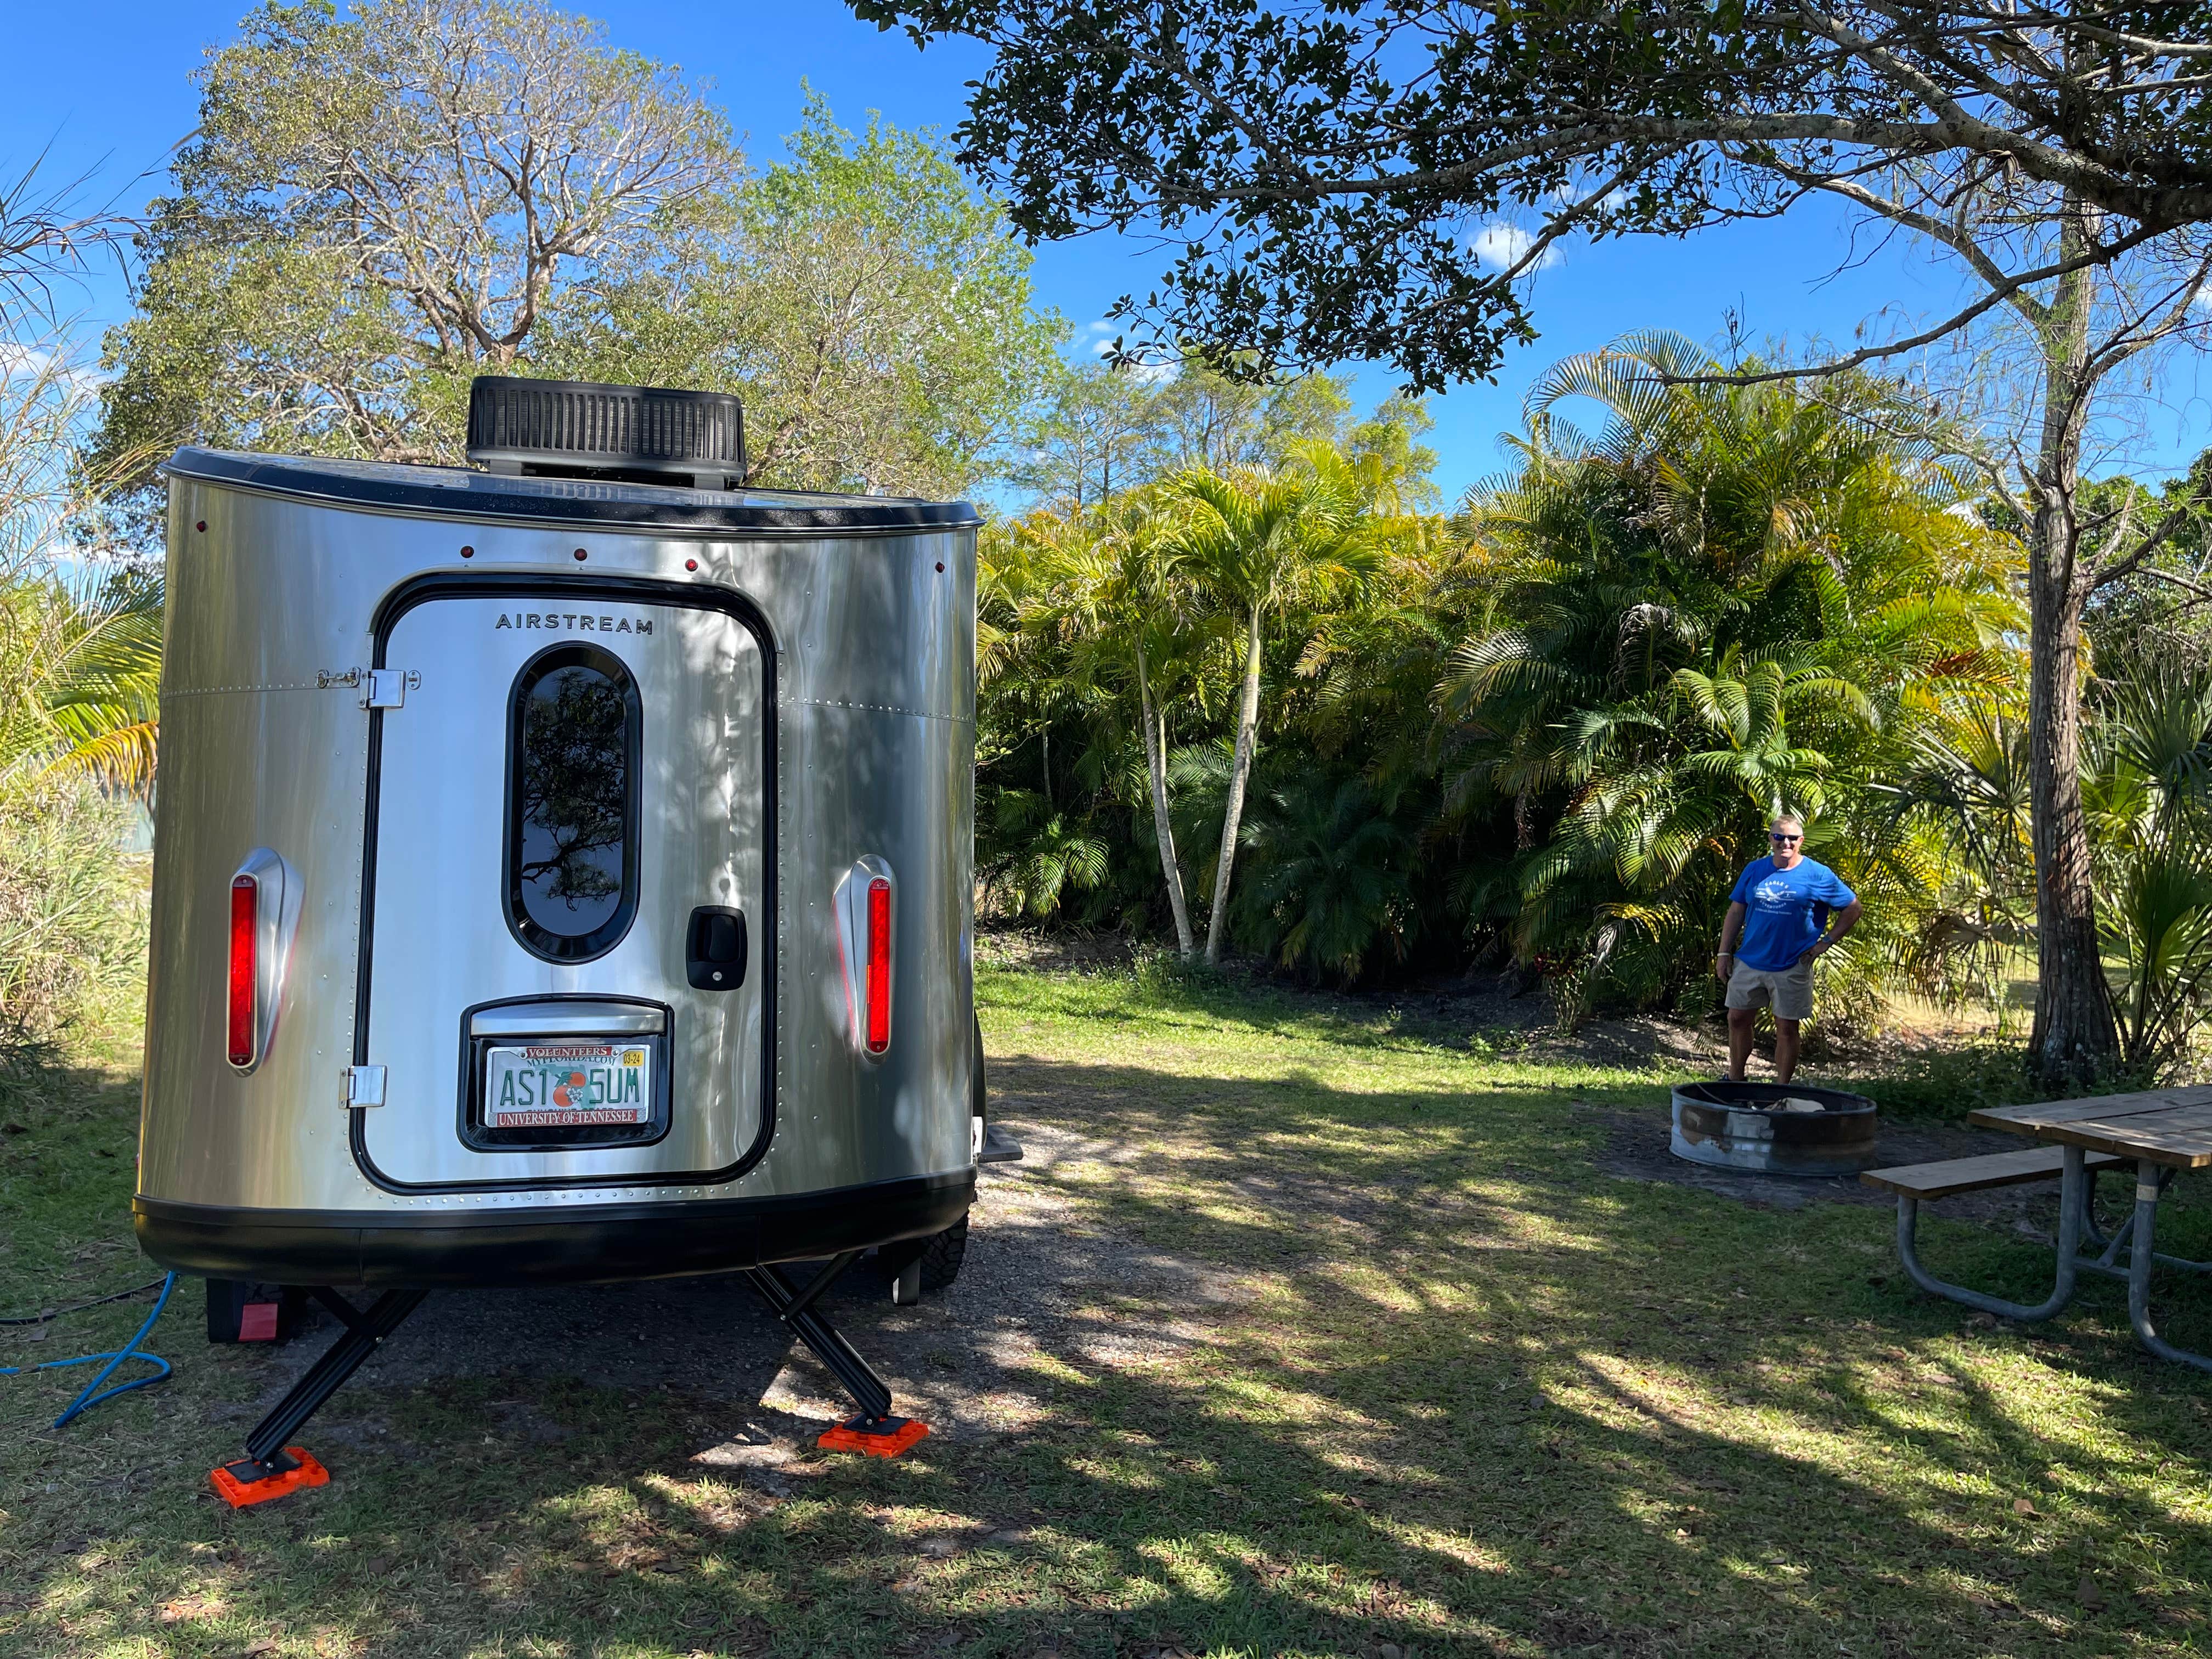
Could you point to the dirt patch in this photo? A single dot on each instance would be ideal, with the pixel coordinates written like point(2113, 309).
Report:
point(1000, 945)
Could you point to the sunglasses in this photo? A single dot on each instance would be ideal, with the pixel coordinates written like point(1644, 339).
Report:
point(1772, 836)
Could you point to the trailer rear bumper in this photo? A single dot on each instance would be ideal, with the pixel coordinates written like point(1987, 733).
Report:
point(556, 1245)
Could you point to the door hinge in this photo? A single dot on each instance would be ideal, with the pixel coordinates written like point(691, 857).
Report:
point(364, 1085)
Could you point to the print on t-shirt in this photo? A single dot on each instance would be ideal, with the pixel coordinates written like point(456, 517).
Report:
point(1785, 910)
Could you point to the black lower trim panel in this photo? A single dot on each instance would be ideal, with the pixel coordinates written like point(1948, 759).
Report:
point(574, 1244)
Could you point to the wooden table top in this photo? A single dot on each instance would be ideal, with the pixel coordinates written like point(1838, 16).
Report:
point(2171, 1127)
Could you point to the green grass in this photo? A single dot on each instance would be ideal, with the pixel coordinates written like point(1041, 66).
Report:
point(1472, 1396)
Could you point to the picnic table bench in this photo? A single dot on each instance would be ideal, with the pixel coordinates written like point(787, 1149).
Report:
point(2162, 1132)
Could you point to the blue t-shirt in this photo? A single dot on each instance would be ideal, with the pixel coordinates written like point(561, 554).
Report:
point(1785, 910)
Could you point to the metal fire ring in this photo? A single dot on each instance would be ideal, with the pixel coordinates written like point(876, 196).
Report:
point(1746, 1126)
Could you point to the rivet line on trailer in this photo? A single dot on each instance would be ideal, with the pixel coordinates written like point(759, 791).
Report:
point(884, 708)
point(210, 691)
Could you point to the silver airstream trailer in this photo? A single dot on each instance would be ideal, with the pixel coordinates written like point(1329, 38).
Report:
point(562, 872)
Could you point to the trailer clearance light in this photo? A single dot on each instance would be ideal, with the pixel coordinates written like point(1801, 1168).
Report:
point(265, 913)
point(244, 925)
point(866, 907)
point(879, 965)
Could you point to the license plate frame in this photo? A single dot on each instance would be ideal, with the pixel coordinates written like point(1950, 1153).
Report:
point(551, 1091)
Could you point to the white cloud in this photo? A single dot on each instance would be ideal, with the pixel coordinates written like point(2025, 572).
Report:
point(1101, 336)
point(1501, 246)
point(24, 362)
point(37, 370)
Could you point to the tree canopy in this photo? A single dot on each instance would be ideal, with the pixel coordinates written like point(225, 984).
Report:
point(378, 206)
point(1332, 170)
point(874, 310)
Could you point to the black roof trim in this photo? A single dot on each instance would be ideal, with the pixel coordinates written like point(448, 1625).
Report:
point(468, 497)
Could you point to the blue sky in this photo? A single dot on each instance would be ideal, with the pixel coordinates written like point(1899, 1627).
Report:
point(112, 94)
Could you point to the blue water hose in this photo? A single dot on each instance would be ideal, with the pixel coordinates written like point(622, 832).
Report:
point(87, 1398)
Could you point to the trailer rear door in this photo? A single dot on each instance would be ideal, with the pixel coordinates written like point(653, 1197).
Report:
point(566, 933)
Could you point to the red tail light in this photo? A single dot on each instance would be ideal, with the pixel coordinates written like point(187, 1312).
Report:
point(240, 1028)
point(879, 965)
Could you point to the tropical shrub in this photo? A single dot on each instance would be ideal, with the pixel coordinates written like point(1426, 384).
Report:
point(72, 911)
point(1328, 883)
point(1730, 603)
point(2150, 795)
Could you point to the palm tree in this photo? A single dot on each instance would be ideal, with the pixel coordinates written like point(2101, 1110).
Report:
point(2150, 795)
point(80, 681)
point(1110, 586)
point(1033, 855)
point(1333, 877)
point(1727, 602)
point(1262, 541)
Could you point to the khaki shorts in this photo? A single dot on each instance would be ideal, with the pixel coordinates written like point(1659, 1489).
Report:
point(1789, 989)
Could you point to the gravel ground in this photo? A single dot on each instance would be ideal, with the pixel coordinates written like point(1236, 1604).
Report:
point(1037, 1286)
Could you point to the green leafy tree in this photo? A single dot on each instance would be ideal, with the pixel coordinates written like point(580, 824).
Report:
point(80, 631)
point(874, 311)
point(1091, 438)
point(1120, 426)
point(2149, 795)
point(375, 207)
point(1032, 855)
point(1729, 601)
point(1331, 876)
point(1114, 587)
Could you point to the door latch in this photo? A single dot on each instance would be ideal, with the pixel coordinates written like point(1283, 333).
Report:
point(714, 948)
point(364, 1085)
point(387, 688)
point(380, 688)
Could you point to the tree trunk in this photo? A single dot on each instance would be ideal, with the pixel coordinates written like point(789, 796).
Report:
point(1155, 762)
point(1247, 727)
point(2075, 1038)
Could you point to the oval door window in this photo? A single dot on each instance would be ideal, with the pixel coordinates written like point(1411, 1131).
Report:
point(571, 792)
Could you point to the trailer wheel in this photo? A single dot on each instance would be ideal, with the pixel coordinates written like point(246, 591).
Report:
point(942, 1255)
point(979, 1098)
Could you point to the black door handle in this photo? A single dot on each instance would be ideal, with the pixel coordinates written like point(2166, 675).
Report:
point(714, 948)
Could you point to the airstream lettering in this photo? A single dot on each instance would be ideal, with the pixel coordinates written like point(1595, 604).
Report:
point(585, 624)
point(521, 920)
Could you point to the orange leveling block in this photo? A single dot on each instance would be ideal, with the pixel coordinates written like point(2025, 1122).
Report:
point(877, 1436)
point(247, 1481)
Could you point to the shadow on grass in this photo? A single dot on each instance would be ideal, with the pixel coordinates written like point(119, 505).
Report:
point(1465, 1396)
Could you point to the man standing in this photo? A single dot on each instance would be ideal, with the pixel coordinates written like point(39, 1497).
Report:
point(1789, 911)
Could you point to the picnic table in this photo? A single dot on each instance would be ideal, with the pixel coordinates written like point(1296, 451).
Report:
point(2162, 1132)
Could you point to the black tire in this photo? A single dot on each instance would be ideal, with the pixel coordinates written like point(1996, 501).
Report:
point(942, 1255)
point(225, 1304)
point(979, 1098)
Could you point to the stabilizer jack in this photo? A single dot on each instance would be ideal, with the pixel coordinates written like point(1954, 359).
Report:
point(272, 1467)
point(873, 1430)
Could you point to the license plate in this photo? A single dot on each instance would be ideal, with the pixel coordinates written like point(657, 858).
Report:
point(544, 1086)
